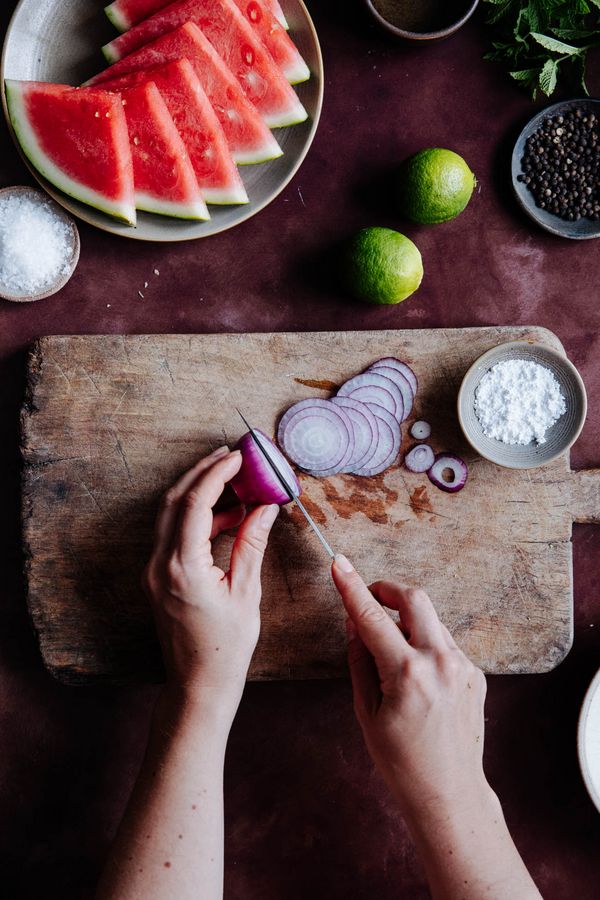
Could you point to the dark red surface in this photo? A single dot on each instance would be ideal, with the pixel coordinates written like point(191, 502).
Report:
point(306, 815)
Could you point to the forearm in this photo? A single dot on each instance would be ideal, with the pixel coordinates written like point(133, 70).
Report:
point(171, 837)
point(468, 853)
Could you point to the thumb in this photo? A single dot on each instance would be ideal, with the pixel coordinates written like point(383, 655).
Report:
point(249, 548)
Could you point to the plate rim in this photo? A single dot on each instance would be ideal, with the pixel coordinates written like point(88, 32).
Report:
point(105, 224)
point(515, 168)
point(592, 789)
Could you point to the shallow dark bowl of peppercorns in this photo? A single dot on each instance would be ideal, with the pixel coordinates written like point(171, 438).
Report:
point(581, 228)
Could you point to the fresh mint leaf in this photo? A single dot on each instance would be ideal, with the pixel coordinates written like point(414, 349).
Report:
point(550, 43)
point(548, 76)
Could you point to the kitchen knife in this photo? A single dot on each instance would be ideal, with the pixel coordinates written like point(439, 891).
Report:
point(287, 487)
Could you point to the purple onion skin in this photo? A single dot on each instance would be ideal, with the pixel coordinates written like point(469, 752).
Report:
point(448, 461)
point(256, 484)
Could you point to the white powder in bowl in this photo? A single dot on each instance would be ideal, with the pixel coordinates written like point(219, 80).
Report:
point(36, 245)
point(517, 401)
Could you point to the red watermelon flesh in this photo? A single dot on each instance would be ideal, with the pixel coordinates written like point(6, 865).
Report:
point(249, 139)
point(190, 109)
point(163, 175)
point(126, 13)
point(78, 141)
point(237, 44)
point(275, 38)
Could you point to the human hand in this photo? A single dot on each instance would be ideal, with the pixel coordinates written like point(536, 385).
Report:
point(208, 621)
point(418, 699)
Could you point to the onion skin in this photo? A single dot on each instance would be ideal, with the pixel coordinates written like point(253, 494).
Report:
point(256, 484)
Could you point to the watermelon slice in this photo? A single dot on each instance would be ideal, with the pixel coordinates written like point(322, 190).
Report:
point(163, 176)
point(190, 108)
point(249, 139)
point(78, 141)
point(237, 44)
point(276, 40)
point(126, 13)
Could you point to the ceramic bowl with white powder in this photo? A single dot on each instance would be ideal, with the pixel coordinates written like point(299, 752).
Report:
point(588, 740)
point(39, 245)
point(522, 404)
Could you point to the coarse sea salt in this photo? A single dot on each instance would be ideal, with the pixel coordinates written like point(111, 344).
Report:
point(36, 245)
point(517, 401)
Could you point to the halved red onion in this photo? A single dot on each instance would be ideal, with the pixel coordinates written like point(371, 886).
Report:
point(366, 431)
point(388, 445)
point(403, 385)
point(421, 430)
point(374, 389)
point(406, 370)
point(317, 435)
point(256, 482)
point(457, 467)
point(420, 458)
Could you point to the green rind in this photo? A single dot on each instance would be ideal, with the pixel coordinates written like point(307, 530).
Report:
point(265, 154)
point(293, 116)
point(191, 211)
point(79, 192)
point(116, 18)
point(298, 73)
point(224, 197)
point(108, 55)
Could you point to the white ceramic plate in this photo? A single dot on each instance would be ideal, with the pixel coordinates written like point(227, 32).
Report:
point(588, 740)
point(60, 40)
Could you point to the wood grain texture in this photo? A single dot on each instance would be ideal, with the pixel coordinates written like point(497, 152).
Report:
point(111, 421)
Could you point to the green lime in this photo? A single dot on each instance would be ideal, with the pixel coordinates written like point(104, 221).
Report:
point(434, 186)
point(382, 266)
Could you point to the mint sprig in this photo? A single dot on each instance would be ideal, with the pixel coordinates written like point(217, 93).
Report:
point(544, 42)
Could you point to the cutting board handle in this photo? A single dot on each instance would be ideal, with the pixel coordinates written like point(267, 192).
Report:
point(586, 497)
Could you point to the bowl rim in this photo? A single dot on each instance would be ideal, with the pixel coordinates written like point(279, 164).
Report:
point(421, 35)
point(58, 285)
point(593, 791)
point(527, 345)
point(515, 164)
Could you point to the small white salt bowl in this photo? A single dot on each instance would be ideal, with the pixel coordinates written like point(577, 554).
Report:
point(588, 740)
point(74, 249)
point(560, 436)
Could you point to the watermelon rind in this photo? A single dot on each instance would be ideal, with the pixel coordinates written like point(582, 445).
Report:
point(124, 212)
point(279, 14)
point(109, 55)
point(147, 203)
point(292, 116)
point(297, 73)
point(265, 154)
point(116, 17)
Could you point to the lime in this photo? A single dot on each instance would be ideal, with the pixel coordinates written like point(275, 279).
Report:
point(382, 266)
point(434, 185)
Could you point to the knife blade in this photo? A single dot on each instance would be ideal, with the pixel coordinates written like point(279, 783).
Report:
point(287, 487)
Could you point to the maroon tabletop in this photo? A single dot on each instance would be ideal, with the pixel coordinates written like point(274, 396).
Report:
point(306, 814)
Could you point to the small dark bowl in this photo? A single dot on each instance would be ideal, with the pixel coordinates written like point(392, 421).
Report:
point(453, 16)
point(580, 230)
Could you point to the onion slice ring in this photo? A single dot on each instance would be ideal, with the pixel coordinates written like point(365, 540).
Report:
point(457, 466)
point(388, 446)
point(317, 435)
point(366, 431)
point(374, 389)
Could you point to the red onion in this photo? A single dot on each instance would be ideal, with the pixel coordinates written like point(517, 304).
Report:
point(388, 444)
point(406, 370)
point(403, 385)
point(318, 436)
point(421, 430)
point(456, 465)
point(420, 458)
point(366, 432)
point(256, 482)
point(375, 390)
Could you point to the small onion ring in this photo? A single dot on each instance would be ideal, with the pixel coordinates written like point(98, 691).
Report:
point(420, 459)
point(457, 466)
point(421, 430)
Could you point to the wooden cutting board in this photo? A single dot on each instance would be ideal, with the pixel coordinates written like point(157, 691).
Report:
point(111, 421)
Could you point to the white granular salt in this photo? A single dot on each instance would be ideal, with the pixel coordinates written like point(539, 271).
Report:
point(517, 401)
point(36, 245)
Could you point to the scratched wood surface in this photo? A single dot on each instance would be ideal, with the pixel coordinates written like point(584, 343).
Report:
point(110, 422)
